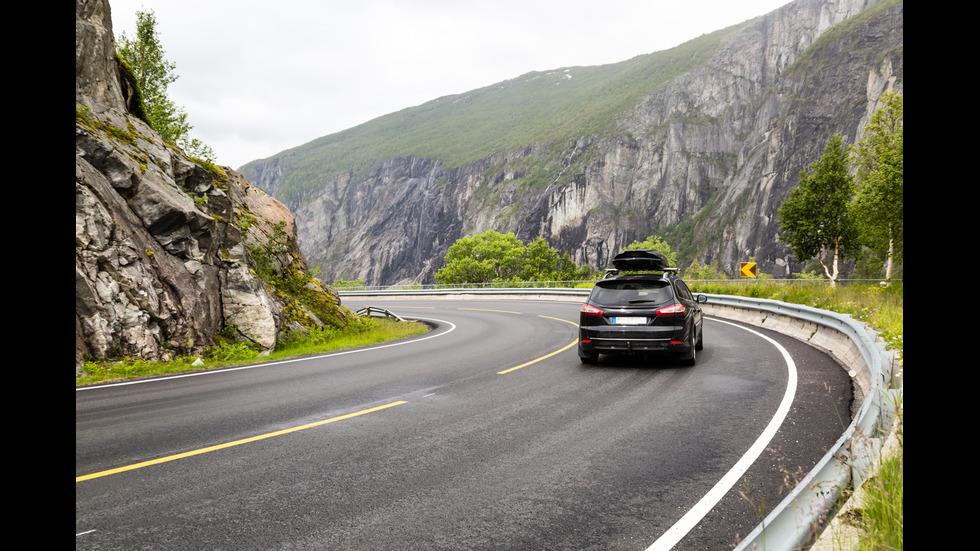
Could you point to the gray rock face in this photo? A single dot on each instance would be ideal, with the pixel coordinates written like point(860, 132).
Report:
point(707, 160)
point(161, 244)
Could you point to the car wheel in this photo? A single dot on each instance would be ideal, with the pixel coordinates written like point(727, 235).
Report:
point(590, 359)
point(700, 344)
point(691, 359)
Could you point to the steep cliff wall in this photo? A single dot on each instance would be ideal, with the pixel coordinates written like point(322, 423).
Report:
point(716, 152)
point(162, 244)
point(706, 160)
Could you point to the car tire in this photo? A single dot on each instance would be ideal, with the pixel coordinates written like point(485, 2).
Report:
point(590, 359)
point(700, 343)
point(692, 358)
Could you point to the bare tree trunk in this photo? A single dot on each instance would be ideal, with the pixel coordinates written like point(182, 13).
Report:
point(831, 274)
point(889, 263)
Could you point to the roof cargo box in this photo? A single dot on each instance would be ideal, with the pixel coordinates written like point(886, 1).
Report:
point(641, 260)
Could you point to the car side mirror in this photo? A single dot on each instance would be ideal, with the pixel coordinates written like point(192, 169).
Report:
point(702, 298)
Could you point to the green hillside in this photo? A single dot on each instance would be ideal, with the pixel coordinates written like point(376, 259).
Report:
point(537, 108)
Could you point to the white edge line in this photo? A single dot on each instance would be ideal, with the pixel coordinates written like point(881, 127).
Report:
point(452, 327)
point(702, 507)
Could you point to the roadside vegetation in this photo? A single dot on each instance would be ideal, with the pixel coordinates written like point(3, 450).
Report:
point(881, 511)
point(878, 305)
point(228, 352)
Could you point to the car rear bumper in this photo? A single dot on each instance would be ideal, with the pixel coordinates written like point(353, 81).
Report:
point(630, 346)
point(612, 340)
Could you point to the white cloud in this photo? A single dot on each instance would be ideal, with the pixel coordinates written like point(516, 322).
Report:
point(257, 78)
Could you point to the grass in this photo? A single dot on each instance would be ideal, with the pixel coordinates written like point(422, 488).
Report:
point(366, 332)
point(881, 520)
point(881, 307)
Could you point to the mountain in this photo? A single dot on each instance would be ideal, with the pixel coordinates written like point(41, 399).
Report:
point(699, 144)
point(170, 251)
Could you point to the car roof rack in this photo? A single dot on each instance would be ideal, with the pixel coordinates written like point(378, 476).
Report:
point(645, 260)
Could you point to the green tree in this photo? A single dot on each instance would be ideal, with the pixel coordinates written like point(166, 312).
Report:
point(697, 271)
point(656, 243)
point(145, 56)
point(817, 217)
point(483, 258)
point(569, 271)
point(541, 262)
point(879, 205)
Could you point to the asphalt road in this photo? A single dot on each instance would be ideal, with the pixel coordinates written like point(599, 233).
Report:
point(486, 433)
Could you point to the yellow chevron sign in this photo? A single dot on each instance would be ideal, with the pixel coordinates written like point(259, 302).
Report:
point(748, 269)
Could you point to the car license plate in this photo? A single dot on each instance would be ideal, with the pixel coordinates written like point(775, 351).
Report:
point(620, 320)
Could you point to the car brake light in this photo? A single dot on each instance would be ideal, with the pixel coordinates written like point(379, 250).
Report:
point(589, 310)
point(676, 309)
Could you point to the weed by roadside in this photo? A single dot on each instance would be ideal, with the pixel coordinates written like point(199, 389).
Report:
point(881, 307)
point(879, 516)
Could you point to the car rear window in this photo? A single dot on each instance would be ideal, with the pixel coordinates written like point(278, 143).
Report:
point(626, 293)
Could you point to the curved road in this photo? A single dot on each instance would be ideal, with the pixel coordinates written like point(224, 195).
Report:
point(486, 433)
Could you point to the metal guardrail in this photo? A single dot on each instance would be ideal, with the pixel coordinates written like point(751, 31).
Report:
point(797, 521)
point(372, 310)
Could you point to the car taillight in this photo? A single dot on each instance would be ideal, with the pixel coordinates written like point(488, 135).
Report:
point(589, 310)
point(676, 309)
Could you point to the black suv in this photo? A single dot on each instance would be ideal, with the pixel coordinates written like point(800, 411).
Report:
point(641, 313)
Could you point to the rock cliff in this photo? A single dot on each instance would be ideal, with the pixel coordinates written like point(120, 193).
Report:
point(165, 245)
point(705, 160)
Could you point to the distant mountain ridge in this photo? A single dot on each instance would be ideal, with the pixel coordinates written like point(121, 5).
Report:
point(699, 143)
point(534, 108)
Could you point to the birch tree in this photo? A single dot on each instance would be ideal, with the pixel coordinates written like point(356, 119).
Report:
point(880, 177)
point(817, 220)
point(154, 73)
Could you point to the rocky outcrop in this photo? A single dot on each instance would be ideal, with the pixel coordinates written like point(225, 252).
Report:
point(706, 161)
point(164, 244)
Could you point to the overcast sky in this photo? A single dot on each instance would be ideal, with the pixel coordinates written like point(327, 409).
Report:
point(258, 77)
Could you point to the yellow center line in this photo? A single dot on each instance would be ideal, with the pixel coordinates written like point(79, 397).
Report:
point(234, 443)
point(536, 360)
point(489, 310)
point(515, 368)
point(559, 319)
